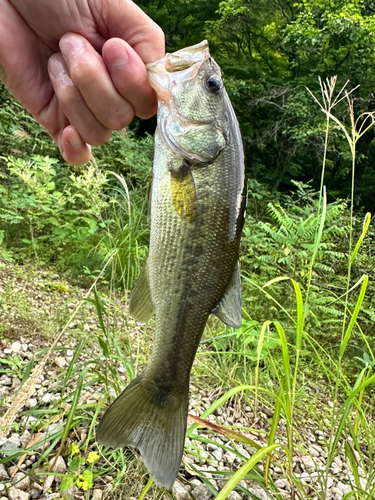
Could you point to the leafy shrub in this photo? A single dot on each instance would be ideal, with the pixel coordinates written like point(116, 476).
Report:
point(282, 244)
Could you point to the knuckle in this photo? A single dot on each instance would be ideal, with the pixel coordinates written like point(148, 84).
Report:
point(119, 118)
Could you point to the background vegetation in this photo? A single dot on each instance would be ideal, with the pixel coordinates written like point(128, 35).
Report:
point(307, 254)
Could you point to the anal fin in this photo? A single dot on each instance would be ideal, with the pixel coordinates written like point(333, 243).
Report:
point(141, 307)
point(229, 308)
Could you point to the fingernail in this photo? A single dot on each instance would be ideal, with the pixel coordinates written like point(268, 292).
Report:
point(58, 71)
point(116, 55)
point(71, 44)
point(75, 141)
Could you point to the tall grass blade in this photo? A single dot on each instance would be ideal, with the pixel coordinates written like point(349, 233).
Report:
point(242, 471)
point(366, 224)
point(272, 435)
point(353, 319)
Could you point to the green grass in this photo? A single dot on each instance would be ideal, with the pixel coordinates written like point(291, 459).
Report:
point(305, 364)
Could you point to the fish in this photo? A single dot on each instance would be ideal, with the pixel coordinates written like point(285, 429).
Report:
point(198, 201)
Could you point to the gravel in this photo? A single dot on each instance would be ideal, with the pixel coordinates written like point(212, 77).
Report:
point(207, 458)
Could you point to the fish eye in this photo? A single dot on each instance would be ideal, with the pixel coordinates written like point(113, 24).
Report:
point(213, 84)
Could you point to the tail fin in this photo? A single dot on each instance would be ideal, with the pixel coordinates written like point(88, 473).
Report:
point(155, 425)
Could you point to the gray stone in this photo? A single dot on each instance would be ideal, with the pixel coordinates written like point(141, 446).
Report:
point(180, 491)
point(305, 477)
point(60, 465)
point(25, 438)
point(21, 481)
point(15, 439)
point(260, 494)
point(230, 457)
point(31, 403)
point(282, 484)
point(308, 464)
point(314, 450)
point(233, 495)
point(97, 494)
point(60, 362)
point(336, 493)
point(17, 494)
point(335, 468)
point(48, 482)
point(34, 494)
point(4, 476)
point(345, 488)
point(201, 493)
point(47, 397)
point(16, 347)
point(9, 449)
point(5, 380)
point(217, 454)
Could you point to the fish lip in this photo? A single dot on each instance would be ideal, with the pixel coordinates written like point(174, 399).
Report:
point(163, 73)
point(199, 48)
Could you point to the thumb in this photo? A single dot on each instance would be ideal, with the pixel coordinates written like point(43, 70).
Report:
point(124, 19)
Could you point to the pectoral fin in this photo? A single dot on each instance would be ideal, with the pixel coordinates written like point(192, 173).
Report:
point(183, 193)
point(229, 308)
point(141, 307)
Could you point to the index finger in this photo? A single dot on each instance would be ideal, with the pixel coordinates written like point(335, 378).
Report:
point(124, 19)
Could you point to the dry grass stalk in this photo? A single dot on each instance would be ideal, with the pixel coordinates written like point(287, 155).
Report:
point(28, 388)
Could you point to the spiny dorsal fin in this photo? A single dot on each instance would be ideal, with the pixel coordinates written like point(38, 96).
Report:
point(141, 307)
point(229, 308)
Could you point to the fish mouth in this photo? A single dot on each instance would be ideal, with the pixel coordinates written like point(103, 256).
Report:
point(181, 65)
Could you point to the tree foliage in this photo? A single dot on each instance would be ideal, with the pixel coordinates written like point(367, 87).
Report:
point(270, 50)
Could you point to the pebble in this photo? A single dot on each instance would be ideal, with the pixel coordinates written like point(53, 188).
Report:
point(5, 380)
point(230, 457)
point(97, 494)
point(17, 494)
point(180, 491)
point(4, 476)
point(282, 484)
point(314, 450)
point(48, 482)
point(9, 449)
point(345, 488)
point(336, 493)
point(260, 494)
point(60, 362)
point(16, 347)
point(308, 464)
point(34, 494)
point(31, 403)
point(233, 495)
point(21, 481)
point(25, 438)
point(60, 465)
point(201, 493)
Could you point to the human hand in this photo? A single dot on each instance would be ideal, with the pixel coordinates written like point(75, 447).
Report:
point(78, 66)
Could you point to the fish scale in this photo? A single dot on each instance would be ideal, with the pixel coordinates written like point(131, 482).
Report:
point(197, 211)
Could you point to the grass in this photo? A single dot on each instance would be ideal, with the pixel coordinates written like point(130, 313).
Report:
point(291, 380)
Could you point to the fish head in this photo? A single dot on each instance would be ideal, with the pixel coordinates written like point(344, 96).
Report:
point(192, 101)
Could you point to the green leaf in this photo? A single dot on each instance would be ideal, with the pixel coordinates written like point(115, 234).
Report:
point(67, 482)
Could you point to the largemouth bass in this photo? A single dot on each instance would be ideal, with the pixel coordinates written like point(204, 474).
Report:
point(197, 213)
